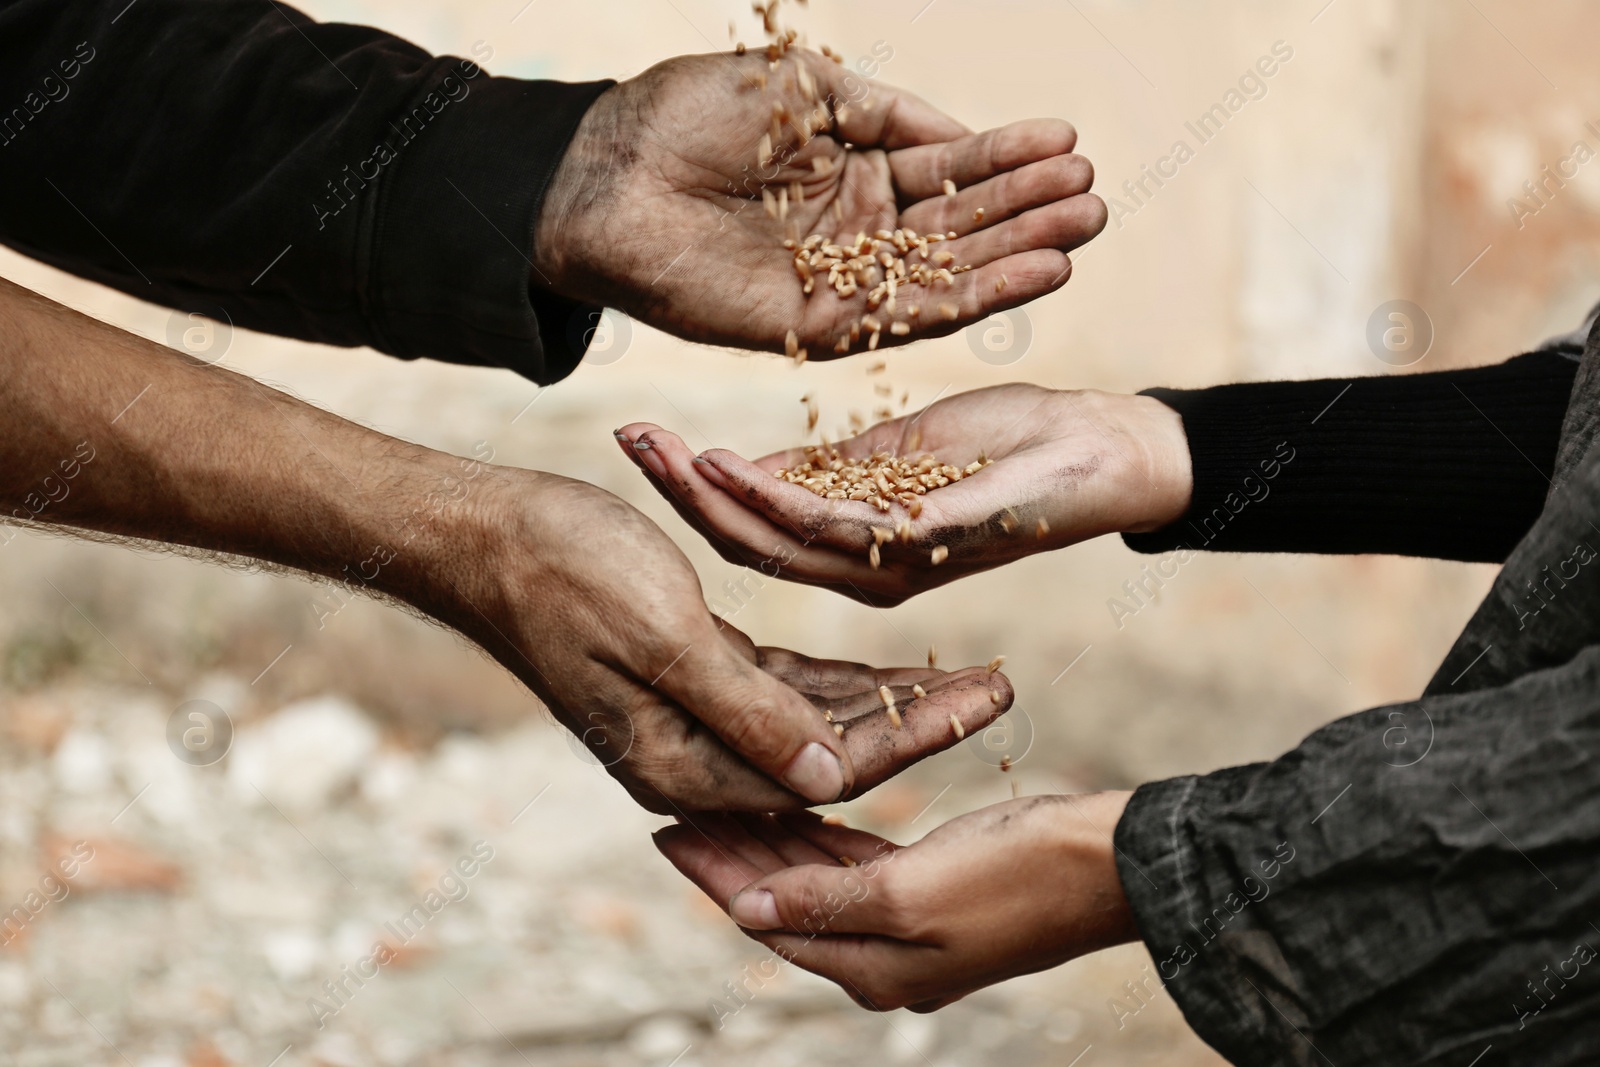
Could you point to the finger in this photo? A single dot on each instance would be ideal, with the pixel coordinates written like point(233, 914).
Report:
point(846, 524)
point(874, 115)
point(997, 286)
point(881, 750)
point(920, 172)
point(645, 459)
point(1001, 197)
point(693, 488)
point(836, 678)
point(812, 898)
point(836, 839)
point(742, 847)
point(770, 725)
point(712, 868)
point(1064, 225)
point(789, 847)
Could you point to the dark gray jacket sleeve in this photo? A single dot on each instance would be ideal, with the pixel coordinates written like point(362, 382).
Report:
point(318, 180)
point(1416, 884)
point(1412, 885)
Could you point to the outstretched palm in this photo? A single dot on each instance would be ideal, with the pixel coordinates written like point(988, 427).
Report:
point(1065, 467)
point(659, 209)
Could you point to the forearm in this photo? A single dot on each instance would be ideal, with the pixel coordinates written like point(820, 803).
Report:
point(108, 432)
point(318, 180)
point(1453, 464)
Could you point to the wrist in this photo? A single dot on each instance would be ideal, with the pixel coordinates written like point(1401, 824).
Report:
point(1165, 472)
point(1087, 829)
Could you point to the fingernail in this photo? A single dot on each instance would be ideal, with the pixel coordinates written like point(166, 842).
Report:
point(755, 910)
point(642, 445)
point(619, 435)
point(816, 774)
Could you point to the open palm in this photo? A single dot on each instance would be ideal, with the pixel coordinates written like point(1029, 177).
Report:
point(1066, 466)
point(658, 207)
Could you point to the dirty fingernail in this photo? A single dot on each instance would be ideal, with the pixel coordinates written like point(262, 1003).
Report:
point(755, 910)
point(816, 774)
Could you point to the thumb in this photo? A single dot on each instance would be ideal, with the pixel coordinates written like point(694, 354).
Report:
point(810, 899)
point(769, 724)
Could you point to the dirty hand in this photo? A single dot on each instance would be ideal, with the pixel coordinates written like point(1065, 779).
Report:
point(602, 616)
point(1066, 466)
point(1007, 890)
point(657, 206)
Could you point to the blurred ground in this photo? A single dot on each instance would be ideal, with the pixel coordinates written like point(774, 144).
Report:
point(1377, 164)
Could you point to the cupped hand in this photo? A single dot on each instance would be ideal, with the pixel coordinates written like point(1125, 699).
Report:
point(1066, 466)
point(1005, 891)
point(657, 207)
point(597, 611)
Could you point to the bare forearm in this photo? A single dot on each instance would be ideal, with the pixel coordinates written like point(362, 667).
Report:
point(108, 432)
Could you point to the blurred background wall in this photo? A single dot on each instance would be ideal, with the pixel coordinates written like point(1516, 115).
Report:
point(1383, 159)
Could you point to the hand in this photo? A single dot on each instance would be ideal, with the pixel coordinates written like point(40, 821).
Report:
point(657, 206)
point(1083, 463)
point(602, 616)
point(1011, 889)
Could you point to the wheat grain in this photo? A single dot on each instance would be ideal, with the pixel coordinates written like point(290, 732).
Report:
point(834, 820)
point(919, 692)
point(996, 663)
point(949, 187)
point(939, 554)
point(847, 861)
point(956, 728)
point(977, 216)
point(933, 657)
point(873, 557)
point(1041, 528)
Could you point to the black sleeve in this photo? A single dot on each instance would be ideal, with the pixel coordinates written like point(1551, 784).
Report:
point(1410, 886)
point(1453, 465)
point(323, 181)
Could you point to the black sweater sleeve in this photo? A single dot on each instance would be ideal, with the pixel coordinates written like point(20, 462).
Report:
point(323, 181)
point(1453, 465)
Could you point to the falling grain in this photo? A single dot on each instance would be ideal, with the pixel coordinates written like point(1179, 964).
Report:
point(949, 187)
point(977, 216)
point(956, 728)
point(834, 820)
point(874, 559)
point(950, 311)
point(994, 697)
point(996, 663)
point(939, 555)
point(838, 730)
point(899, 329)
point(894, 716)
point(847, 861)
point(933, 657)
point(1041, 528)
point(791, 344)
